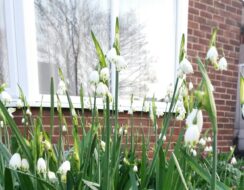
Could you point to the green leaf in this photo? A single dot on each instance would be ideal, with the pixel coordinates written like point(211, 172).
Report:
point(202, 172)
point(213, 38)
point(116, 38)
point(8, 181)
point(180, 171)
point(99, 51)
point(17, 133)
point(91, 185)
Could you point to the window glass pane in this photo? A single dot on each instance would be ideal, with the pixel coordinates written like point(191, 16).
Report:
point(64, 40)
point(148, 44)
point(4, 70)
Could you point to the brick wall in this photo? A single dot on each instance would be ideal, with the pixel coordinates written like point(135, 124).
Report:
point(226, 15)
point(203, 16)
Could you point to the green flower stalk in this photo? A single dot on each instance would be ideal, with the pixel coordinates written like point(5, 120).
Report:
point(242, 89)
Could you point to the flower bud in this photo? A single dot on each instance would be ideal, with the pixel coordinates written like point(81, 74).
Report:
point(233, 160)
point(135, 169)
point(24, 165)
point(103, 145)
point(41, 166)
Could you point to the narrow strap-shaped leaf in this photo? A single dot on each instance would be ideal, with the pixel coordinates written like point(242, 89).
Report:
point(52, 108)
point(180, 171)
point(100, 53)
point(17, 133)
point(8, 182)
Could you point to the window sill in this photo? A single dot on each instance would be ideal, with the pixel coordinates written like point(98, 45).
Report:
point(124, 104)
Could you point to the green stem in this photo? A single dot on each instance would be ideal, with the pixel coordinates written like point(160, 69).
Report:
point(116, 99)
point(215, 153)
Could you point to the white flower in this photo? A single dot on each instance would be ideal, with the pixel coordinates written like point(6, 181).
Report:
point(192, 135)
point(121, 131)
point(190, 86)
point(102, 89)
point(94, 77)
point(61, 87)
point(5, 97)
point(1, 124)
point(209, 139)
point(232, 148)
point(223, 64)
point(11, 111)
point(194, 152)
point(23, 120)
point(208, 149)
point(164, 137)
point(233, 160)
point(195, 115)
point(19, 103)
point(15, 161)
point(186, 66)
point(52, 177)
point(104, 74)
point(121, 63)
point(41, 166)
point(64, 168)
point(103, 145)
point(125, 131)
point(112, 56)
point(135, 169)
point(64, 128)
point(180, 109)
point(131, 110)
point(202, 142)
point(28, 112)
point(212, 55)
point(25, 165)
point(159, 112)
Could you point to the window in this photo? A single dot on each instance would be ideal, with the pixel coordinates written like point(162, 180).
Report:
point(4, 70)
point(46, 35)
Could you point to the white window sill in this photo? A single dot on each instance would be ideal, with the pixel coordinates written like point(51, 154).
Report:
point(124, 104)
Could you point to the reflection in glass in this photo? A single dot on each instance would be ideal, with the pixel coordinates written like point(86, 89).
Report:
point(64, 40)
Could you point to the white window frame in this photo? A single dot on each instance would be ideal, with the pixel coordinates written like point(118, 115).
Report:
point(22, 52)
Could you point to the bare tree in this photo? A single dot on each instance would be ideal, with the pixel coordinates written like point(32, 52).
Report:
point(64, 28)
point(134, 46)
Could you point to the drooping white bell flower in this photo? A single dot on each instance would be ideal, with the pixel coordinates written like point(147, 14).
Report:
point(5, 97)
point(135, 168)
point(103, 145)
point(102, 89)
point(223, 64)
point(208, 149)
point(15, 161)
point(11, 111)
point(64, 168)
point(186, 66)
point(19, 103)
point(61, 87)
point(192, 135)
point(104, 74)
point(64, 128)
point(190, 86)
point(163, 138)
point(233, 160)
point(193, 151)
point(41, 166)
point(121, 63)
point(52, 177)
point(94, 77)
point(112, 56)
point(212, 55)
point(209, 139)
point(202, 142)
point(28, 112)
point(24, 164)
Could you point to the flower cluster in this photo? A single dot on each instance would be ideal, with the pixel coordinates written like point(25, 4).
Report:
point(212, 57)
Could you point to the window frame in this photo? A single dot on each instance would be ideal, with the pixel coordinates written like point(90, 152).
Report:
point(22, 53)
